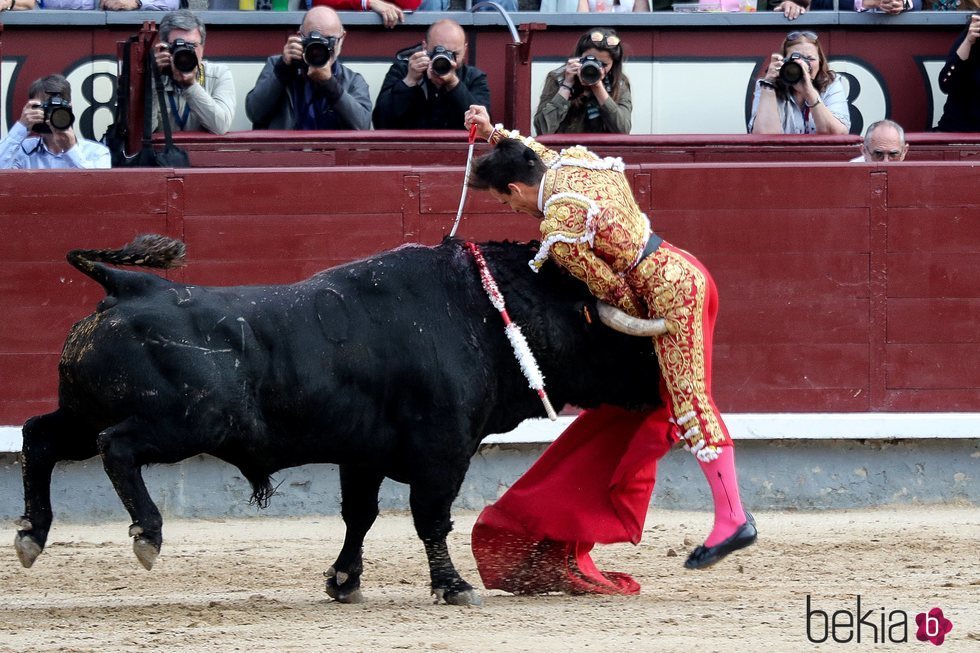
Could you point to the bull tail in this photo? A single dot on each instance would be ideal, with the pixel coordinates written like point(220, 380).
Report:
point(147, 251)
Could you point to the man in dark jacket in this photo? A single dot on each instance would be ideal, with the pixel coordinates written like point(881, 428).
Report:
point(306, 87)
point(432, 87)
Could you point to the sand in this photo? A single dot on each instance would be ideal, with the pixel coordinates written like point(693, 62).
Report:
point(256, 585)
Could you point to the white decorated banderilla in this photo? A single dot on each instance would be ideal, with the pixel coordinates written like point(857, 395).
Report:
point(522, 351)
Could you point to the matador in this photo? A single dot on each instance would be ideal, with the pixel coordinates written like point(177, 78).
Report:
point(592, 226)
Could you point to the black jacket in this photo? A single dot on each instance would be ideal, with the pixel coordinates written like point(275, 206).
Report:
point(423, 106)
point(960, 81)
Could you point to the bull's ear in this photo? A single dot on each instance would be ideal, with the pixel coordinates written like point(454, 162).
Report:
point(586, 311)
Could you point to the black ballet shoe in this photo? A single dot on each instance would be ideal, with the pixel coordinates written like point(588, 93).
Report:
point(705, 556)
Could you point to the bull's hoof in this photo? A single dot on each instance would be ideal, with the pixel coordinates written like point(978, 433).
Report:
point(335, 589)
point(465, 597)
point(146, 552)
point(28, 549)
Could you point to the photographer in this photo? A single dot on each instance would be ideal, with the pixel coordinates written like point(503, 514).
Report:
point(200, 95)
point(799, 94)
point(43, 138)
point(431, 87)
point(590, 93)
point(306, 87)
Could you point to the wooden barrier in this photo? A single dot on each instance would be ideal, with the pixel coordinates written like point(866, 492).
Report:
point(844, 287)
point(425, 148)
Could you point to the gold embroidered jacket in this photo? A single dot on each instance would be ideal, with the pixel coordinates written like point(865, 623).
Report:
point(592, 225)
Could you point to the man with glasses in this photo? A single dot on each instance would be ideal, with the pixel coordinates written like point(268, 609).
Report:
point(43, 138)
point(430, 86)
point(200, 95)
point(883, 141)
point(306, 87)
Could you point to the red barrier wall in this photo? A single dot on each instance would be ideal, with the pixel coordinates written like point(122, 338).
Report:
point(843, 288)
point(390, 147)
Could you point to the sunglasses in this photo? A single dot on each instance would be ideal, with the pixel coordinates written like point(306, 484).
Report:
point(603, 40)
point(792, 36)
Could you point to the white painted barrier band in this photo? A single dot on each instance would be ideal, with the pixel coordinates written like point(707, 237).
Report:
point(748, 426)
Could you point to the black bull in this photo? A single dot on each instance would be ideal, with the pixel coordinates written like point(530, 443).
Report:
point(394, 366)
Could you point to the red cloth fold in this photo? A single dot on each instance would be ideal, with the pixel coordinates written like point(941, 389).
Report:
point(592, 485)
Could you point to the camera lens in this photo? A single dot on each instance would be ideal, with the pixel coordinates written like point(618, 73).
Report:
point(442, 65)
point(591, 71)
point(183, 57)
point(61, 118)
point(318, 49)
point(316, 55)
point(791, 72)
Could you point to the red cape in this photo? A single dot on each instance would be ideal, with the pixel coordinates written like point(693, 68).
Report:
point(592, 485)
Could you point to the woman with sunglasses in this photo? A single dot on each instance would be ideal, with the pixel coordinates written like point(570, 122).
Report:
point(799, 94)
point(960, 81)
point(573, 102)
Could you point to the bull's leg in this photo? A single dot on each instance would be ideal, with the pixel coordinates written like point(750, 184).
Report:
point(125, 448)
point(431, 500)
point(48, 439)
point(359, 508)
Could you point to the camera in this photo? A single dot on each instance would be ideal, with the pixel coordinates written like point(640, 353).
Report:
point(442, 60)
point(318, 49)
point(57, 113)
point(182, 56)
point(792, 70)
point(591, 71)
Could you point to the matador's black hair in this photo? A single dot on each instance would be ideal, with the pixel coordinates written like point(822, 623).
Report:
point(511, 161)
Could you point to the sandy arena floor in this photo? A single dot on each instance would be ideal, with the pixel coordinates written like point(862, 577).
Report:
point(256, 585)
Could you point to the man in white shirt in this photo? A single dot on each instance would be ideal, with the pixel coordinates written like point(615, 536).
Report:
point(883, 141)
point(43, 138)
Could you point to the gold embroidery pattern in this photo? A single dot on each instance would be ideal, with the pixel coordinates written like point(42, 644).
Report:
point(608, 287)
point(675, 289)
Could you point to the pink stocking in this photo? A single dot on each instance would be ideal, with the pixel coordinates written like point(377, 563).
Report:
point(724, 492)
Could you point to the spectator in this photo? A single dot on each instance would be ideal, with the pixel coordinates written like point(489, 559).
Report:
point(612, 6)
point(19, 5)
point(883, 141)
point(100, 5)
point(415, 96)
point(443, 5)
point(48, 116)
point(791, 9)
point(200, 95)
point(807, 98)
point(960, 81)
point(951, 5)
point(293, 94)
point(391, 13)
point(569, 104)
point(892, 7)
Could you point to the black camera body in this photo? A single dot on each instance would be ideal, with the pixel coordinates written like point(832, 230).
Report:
point(57, 113)
point(183, 57)
point(591, 71)
point(318, 49)
point(792, 70)
point(442, 60)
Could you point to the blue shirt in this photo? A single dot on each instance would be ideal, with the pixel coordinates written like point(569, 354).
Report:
point(21, 151)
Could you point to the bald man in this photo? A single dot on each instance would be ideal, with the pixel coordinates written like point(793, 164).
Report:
point(430, 86)
point(883, 141)
point(296, 90)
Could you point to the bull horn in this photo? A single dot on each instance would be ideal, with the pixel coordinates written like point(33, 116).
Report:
point(616, 319)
